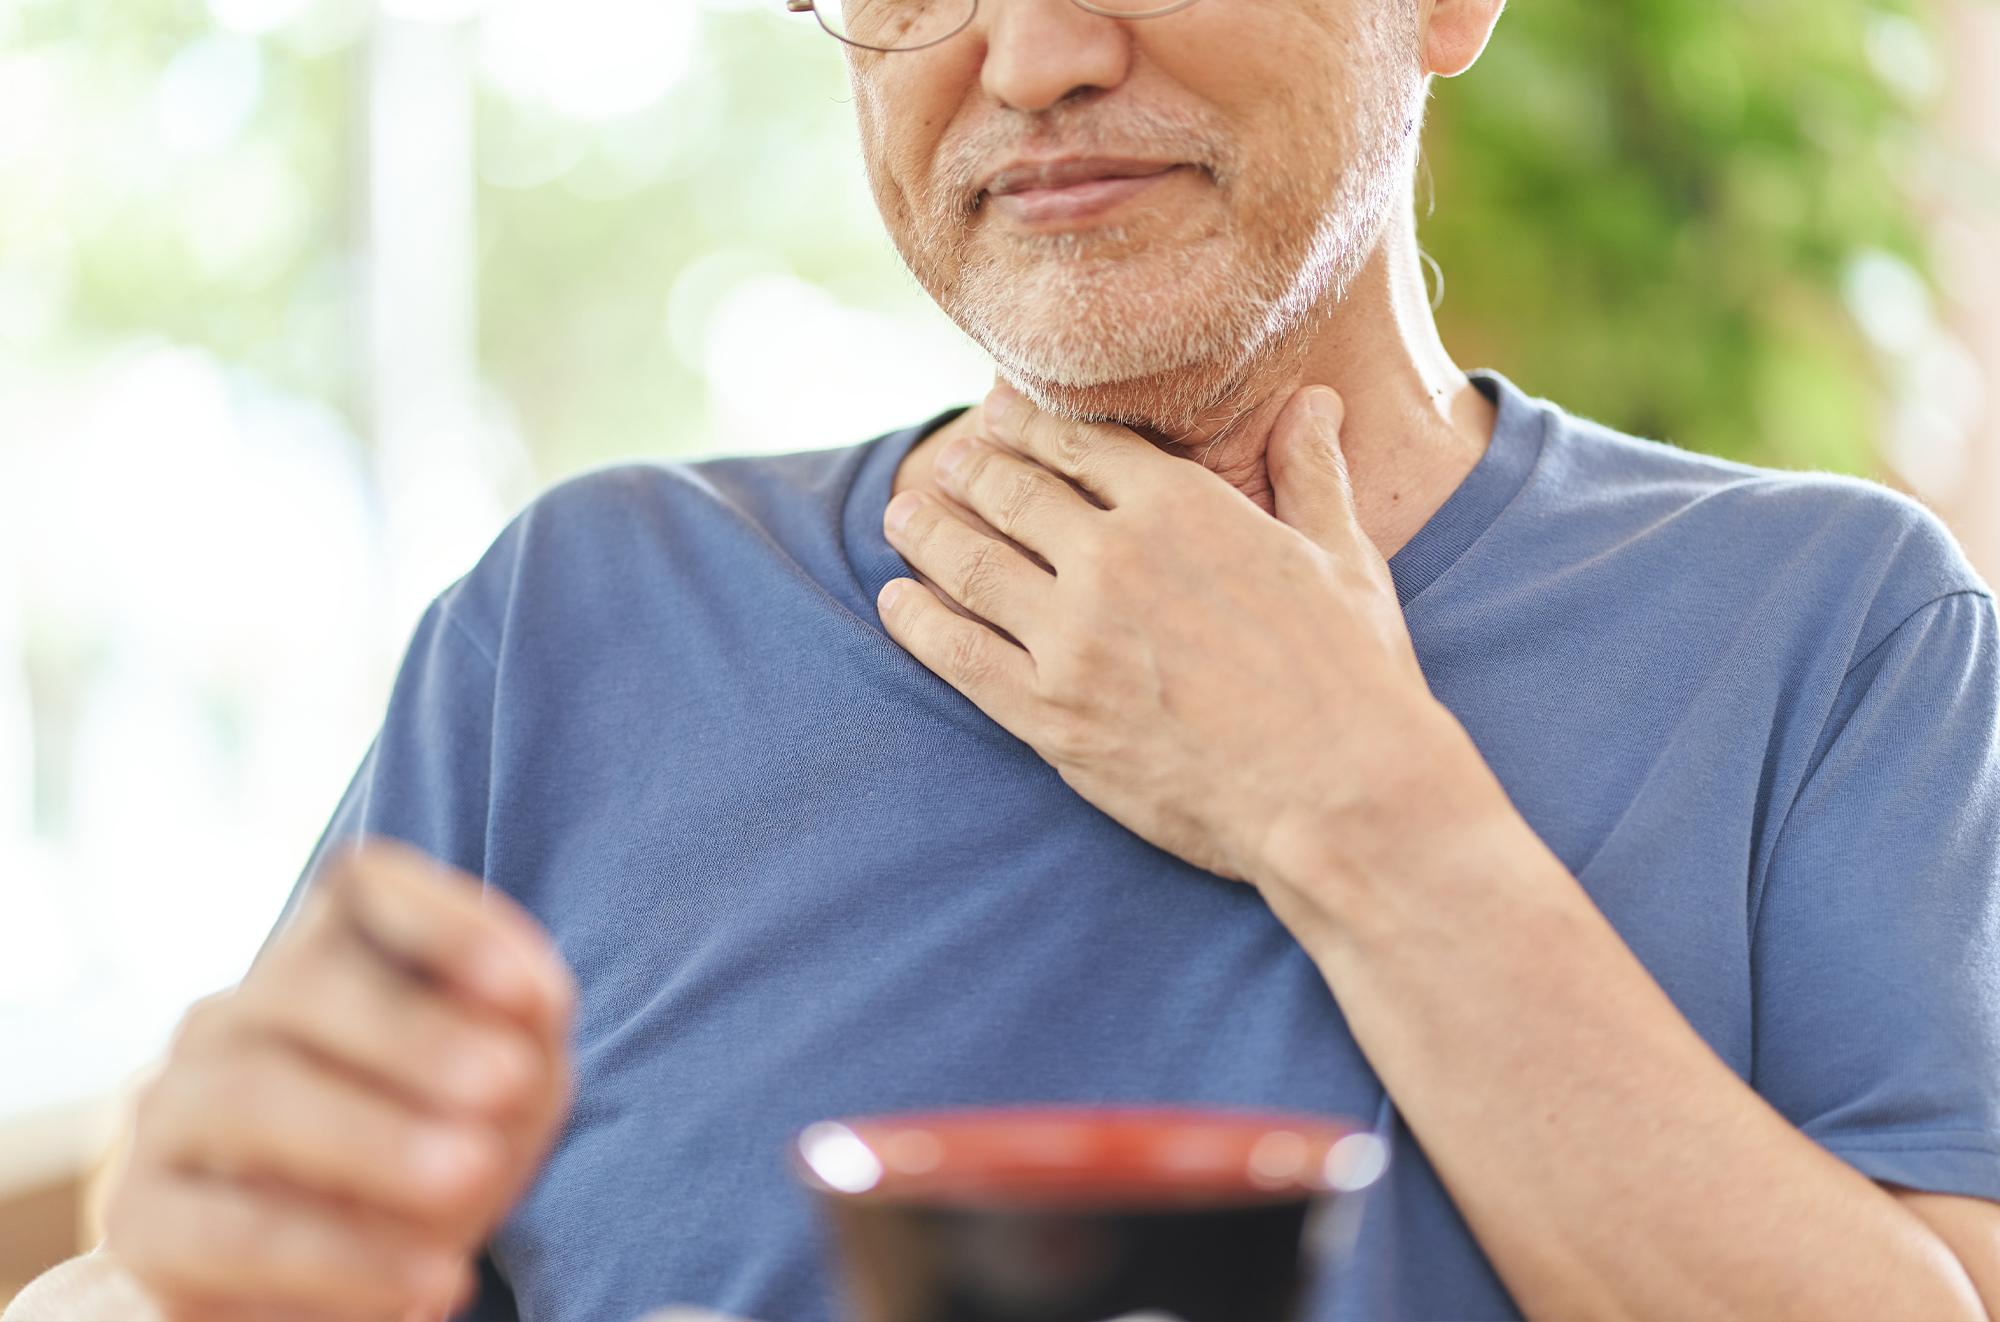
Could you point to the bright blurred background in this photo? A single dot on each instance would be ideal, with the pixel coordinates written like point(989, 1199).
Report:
point(300, 298)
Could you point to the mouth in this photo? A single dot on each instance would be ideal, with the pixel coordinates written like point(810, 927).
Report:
point(1043, 193)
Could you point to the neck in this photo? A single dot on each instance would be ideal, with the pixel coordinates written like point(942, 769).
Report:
point(1415, 426)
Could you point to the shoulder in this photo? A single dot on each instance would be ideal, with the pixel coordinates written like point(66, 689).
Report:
point(624, 499)
point(1591, 469)
point(591, 549)
point(1817, 540)
point(613, 534)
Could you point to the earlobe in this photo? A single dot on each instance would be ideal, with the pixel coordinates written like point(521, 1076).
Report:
point(1455, 31)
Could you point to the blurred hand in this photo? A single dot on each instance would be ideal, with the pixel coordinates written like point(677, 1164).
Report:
point(338, 1135)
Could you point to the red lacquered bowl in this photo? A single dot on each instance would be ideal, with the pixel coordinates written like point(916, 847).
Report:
point(1081, 1212)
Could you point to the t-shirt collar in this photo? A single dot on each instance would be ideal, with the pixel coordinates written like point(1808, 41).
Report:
point(1487, 490)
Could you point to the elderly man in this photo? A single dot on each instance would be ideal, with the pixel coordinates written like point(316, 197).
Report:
point(1277, 716)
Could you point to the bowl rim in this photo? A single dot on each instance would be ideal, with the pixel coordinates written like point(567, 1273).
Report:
point(1143, 1155)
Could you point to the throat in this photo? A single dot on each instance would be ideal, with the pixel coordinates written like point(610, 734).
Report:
point(1232, 447)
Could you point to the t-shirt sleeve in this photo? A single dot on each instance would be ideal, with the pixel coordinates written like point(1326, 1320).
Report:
point(1876, 937)
point(425, 779)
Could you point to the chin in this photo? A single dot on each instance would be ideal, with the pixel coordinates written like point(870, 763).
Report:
point(1173, 405)
point(1156, 340)
point(1171, 333)
point(1172, 347)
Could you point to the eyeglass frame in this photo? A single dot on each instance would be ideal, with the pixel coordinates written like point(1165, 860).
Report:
point(971, 12)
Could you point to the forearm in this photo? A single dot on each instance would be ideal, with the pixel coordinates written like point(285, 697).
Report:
point(94, 1286)
point(1608, 1161)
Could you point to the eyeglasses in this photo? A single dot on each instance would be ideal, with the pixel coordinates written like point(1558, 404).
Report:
point(898, 25)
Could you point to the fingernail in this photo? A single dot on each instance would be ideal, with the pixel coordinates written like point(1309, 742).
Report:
point(998, 401)
point(1324, 403)
point(893, 589)
point(951, 457)
point(900, 509)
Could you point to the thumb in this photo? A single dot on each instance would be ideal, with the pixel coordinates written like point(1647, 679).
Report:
point(1309, 485)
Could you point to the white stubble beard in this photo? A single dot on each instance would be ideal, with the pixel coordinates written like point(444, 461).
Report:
point(1102, 325)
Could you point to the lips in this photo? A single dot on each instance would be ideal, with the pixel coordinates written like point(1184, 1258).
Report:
point(1037, 175)
point(1052, 192)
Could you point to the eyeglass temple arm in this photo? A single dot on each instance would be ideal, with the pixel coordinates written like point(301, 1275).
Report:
point(799, 6)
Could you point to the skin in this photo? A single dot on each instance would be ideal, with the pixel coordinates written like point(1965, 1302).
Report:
point(338, 1135)
point(1213, 654)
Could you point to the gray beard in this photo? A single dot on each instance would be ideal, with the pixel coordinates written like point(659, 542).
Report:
point(1101, 326)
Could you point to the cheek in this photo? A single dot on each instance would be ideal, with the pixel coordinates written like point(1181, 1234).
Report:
point(905, 106)
point(901, 113)
point(884, 156)
point(1292, 66)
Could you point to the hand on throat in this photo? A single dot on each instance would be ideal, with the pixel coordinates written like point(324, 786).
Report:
point(1416, 425)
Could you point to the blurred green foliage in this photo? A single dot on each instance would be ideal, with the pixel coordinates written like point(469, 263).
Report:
point(161, 177)
point(1643, 209)
point(751, 163)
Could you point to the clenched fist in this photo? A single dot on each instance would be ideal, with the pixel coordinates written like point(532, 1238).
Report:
point(338, 1135)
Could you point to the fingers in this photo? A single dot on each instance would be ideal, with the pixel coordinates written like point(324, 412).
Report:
point(339, 1133)
point(996, 675)
point(1023, 501)
point(1312, 494)
point(213, 1248)
point(986, 576)
point(292, 1121)
point(443, 925)
point(1308, 472)
point(1112, 463)
point(339, 1001)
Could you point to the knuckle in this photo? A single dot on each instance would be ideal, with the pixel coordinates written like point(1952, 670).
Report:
point(920, 531)
point(184, 1111)
point(1074, 668)
point(480, 1068)
point(968, 656)
point(975, 469)
point(287, 986)
point(242, 1091)
point(1089, 655)
point(163, 1122)
point(981, 574)
point(297, 947)
point(1021, 494)
point(1069, 739)
point(1073, 448)
point(206, 1022)
point(928, 535)
point(1077, 447)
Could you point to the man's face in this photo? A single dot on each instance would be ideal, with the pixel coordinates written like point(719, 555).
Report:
point(1133, 217)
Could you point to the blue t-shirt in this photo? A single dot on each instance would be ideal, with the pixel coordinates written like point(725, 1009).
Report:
point(798, 876)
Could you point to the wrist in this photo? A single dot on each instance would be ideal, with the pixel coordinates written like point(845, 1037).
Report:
point(1418, 835)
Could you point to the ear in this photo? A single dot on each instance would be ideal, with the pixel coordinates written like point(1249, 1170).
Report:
point(1455, 31)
